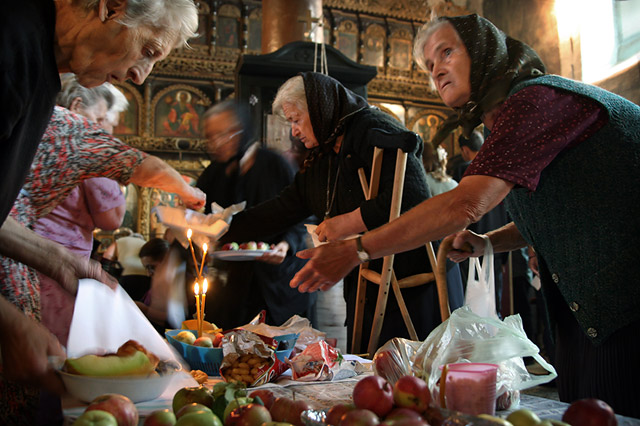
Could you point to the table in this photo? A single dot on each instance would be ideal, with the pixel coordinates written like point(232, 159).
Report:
point(322, 395)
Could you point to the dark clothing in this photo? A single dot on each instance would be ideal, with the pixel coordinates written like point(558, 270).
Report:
point(586, 252)
point(29, 83)
point(252, 286)
point(311, 194)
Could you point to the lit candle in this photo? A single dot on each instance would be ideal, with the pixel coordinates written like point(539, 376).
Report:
point(204, 258)
point(205, 286)
point(193, 253)
point(196, 290)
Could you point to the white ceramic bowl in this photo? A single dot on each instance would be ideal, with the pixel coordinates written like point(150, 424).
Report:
point(137, 388)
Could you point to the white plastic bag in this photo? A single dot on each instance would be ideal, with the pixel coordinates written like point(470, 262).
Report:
point(480, 294)
point(467, 337)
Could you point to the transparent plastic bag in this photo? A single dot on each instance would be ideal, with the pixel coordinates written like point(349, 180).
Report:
point(395, 358)
point(467, 337)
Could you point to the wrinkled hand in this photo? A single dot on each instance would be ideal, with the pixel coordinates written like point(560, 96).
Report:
point(26, 346)
point(533, 263)
point(466, 238)
point(277, 256)
point(327, 265)
point(194, 199)
point(70, 271)
point(332, 229)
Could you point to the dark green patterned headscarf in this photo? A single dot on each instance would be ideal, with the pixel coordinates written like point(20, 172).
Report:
point(498, 62)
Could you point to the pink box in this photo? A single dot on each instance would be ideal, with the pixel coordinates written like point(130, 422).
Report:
point(471, 388)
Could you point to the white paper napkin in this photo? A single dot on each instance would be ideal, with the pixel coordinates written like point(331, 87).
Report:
point(104, 319)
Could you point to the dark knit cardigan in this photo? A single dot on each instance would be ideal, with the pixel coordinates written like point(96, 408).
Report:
point(583, 218)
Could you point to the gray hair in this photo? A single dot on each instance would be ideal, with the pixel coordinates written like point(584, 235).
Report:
point(291, 92)
point(71, 90)
point(423, 35)
point(180, 16)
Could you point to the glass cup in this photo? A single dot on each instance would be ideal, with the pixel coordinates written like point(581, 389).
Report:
point(471, 388)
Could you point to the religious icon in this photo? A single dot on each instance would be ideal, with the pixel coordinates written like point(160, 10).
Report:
point(128, 119)
point(178, 114)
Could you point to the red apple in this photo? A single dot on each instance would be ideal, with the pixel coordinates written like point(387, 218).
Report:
point(288, 410)
point(120, 406)
point(248, 415)
point(402, 413)
point(217, 340)
point(590, 412)
point(204, 341)
point(199, 418)
point(160, 418)
point(388, 365)
point(96, 418)
point(266, 396)
point(199, 394)
point(411, 392)
point(231, 246)
point(264, 246)
point(406, 422)
point(373, 393)
point(336, 412)
point(251, 245)
point(360, 417)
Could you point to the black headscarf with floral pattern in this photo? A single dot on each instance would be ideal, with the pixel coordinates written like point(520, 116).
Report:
point(498, 62)
point(330, 105)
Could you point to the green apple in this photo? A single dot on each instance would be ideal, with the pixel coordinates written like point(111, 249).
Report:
point(160, 418)
point(235, 403)
point(96, 418)
point(189, 408)
point(204, 342)
point(185, 396)
point(523, 417)
point(111, 365)
point(199, 418)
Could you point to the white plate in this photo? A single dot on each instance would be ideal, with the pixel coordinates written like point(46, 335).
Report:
point(237, 255)
point(137, 388)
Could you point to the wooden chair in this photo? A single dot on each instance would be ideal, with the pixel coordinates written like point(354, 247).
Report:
point(387, 277)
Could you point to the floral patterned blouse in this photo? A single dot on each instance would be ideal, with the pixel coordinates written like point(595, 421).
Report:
point(72, 149)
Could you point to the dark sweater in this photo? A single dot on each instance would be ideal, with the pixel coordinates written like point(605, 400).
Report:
point(583, 217)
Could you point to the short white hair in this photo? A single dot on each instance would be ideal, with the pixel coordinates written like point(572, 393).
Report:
point(291, 92)
point(423, 35)
point(180, 16)
point(119, 103)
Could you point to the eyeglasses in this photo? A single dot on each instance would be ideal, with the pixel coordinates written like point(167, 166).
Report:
point(224, 137)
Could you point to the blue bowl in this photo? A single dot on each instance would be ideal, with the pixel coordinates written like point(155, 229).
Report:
point(209, 359)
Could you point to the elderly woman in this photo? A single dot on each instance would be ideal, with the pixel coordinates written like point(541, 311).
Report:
point(73, 149)
point(546, 132)
point(98, 40)
point(342, 129)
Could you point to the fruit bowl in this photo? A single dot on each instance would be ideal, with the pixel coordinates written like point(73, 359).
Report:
point(209, 359)
point(136, 388)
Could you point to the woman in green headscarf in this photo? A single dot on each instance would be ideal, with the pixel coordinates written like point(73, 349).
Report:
point(557, 151)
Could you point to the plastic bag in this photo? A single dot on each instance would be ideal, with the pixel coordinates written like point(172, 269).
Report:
point(395, 358)
point(294, 325)
point(480, 292)
point(467, 337)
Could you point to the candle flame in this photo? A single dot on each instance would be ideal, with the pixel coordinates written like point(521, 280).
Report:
point(196, 288)
point(205, 286)
point(189, 233)
point(204, 247)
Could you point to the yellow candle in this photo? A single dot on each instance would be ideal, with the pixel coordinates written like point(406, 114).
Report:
point(193, 253)
point(204, 258)
point(196, 290)
point(205, 286)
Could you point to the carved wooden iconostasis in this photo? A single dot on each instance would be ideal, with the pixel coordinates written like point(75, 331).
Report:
point(165, 113)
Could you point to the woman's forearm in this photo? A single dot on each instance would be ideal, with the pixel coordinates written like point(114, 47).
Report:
point(155, 173)
point(507, 238)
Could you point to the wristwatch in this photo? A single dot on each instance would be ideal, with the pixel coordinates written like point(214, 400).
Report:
point(362, 253)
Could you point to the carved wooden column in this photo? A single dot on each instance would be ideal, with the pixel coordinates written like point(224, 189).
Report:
point(284, 21)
